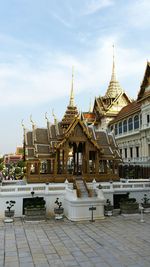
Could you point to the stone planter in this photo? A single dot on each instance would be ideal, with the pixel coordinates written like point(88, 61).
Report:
point(59, 213)
point(129, 208)
point(10, 213)
point(108, 210)
point(32, 214)
point(146, 207)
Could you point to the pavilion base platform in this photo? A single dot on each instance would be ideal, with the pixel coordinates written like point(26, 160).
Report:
point(80, 209)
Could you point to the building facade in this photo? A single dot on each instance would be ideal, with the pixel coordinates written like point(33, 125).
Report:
point(132, 126)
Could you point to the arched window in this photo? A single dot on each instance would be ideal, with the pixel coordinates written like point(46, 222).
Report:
point(136, 122)
point(130, 124)
point(120, 127)
point(125, 126)
point(116, 129)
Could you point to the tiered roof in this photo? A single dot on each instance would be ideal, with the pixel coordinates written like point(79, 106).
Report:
point(44, 145)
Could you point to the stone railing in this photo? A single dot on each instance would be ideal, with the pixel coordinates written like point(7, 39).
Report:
point(28, 188)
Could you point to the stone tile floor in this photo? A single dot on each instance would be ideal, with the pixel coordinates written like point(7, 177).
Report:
point(113, 242)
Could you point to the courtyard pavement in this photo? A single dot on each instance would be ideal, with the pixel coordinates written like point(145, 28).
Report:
point(116, 241)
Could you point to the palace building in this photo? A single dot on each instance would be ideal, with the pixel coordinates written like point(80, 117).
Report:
point(108, 106)
point(132, 126)
point(69, 149)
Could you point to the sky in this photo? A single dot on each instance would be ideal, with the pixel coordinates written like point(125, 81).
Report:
point(40, 41)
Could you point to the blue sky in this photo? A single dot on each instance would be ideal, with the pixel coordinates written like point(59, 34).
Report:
point(40, 41)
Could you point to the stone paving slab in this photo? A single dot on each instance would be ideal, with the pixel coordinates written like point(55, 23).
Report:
point(114, 242)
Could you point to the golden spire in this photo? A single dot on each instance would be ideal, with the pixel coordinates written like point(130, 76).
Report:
point(71, 103)
point(113, 76)
point(114, 88)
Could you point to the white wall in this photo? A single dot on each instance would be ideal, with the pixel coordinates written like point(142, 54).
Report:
point(52, 191)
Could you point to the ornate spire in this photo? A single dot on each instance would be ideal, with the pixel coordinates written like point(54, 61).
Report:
point(114, 88)
point(113, 76)
point(71, 103)
point(71, 111)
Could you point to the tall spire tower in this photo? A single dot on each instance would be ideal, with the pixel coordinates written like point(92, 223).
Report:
point(71, 111)
point(114, 88)
point(113, 76)
point(71, 103)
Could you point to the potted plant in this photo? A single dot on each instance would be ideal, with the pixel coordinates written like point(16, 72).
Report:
point(58, 210)
point(108, 208)
point(145, 202)
point(129, 205)
point(9, 213)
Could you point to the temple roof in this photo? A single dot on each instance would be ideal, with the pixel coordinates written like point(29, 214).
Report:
point(45, 144)
point(127, 111)
point(145, 85)
point(88, 117)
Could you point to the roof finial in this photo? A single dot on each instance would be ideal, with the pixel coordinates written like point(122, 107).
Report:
point(113, 76)
point(55, 119)
point(90, 107)
point(46, 118)
point(71, 103)
point(33, 124)
point(22, 123)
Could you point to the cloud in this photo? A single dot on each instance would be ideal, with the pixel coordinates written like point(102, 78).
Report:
point(24, 84)
point(95, 5)
point(138, 13)
point(62, 20)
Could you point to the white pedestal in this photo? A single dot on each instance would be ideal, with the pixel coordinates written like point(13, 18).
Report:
point(78, 210)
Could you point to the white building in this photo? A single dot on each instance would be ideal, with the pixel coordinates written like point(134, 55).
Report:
point(132, 126)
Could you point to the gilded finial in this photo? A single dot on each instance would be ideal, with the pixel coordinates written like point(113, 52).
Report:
point(71, 103)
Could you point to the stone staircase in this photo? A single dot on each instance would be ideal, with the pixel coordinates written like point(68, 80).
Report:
point(82, 190)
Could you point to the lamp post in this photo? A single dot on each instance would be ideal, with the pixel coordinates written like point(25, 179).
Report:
point(141, 209)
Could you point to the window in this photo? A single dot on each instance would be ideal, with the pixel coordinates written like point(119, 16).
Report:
point(111, 128)
point(131, 152)
point(137, 151)
point(125, 126)
point(116, 129)
point(120, 127)
point(130, 124)
point(140, 120)
point(121, 152)
point(136, 122)
point(148, 118)
point(125, 152)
